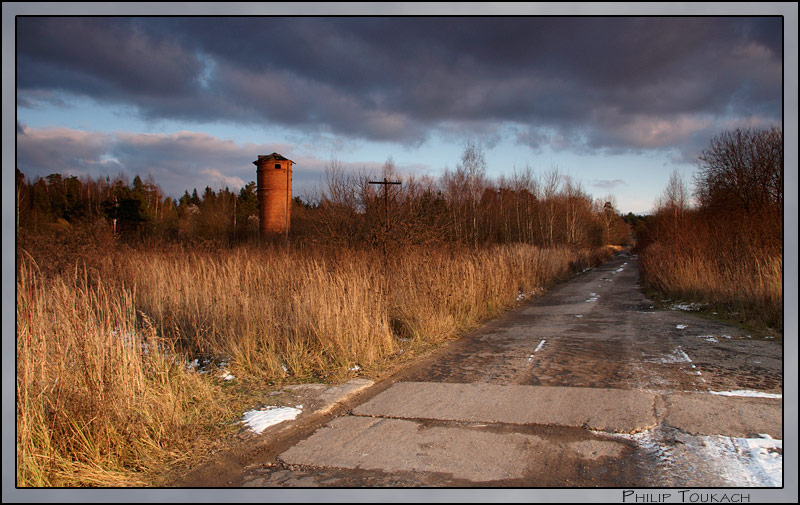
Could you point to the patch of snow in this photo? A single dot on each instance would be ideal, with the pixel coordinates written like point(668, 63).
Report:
point(682, 326)
point(646, 440)
point(259, 420)
point(741, 462)
point(578, 315)
point(197, 365)
point(130, 338)
point(746, 462)
point(355, 368)
point(534, 291)
point(686, 306)
point(676, 356)
point(592, 297)
point(539, 346)
point(227, 376)
point(746, 392)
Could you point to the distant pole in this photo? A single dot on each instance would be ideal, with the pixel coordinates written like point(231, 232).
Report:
point(384, 288)
point(385, 184)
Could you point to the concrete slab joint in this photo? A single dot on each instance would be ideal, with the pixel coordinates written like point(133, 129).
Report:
point(609, 410)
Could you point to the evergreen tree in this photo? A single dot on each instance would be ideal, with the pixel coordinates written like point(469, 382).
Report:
point(246, 207)
point(127, 210)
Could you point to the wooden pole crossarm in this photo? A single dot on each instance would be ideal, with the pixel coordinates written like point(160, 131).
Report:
point(386, 183)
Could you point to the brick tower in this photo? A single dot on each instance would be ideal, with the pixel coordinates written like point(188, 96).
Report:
point(274, 179)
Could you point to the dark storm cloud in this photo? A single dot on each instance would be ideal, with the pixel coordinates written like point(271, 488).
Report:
point(101, 57)
point(610, 83)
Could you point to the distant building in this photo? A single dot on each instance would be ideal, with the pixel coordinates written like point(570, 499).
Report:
point(274, 189)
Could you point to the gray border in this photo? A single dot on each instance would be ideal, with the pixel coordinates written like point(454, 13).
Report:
point(11, 9)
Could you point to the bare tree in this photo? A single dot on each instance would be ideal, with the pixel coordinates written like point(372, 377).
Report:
point(578, 212)
point(674, 202)
point(550, 185)
point(608, 213)
point(340, 203)
point(525, 188)
point(473, 166)
point(742, 169)
point(739, 185)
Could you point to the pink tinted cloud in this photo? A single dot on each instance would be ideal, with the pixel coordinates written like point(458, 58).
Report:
point(178, 161)
point(64, 150)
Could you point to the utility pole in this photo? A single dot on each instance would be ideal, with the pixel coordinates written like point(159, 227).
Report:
point(385, 184)
point(385, 288)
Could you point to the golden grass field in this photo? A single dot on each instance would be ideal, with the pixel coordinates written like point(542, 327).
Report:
point(105, 392)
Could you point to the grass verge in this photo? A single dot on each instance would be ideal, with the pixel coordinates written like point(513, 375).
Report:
point(107, 396)
point(744, 289)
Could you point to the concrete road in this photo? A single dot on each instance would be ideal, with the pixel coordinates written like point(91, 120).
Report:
point(587, 385)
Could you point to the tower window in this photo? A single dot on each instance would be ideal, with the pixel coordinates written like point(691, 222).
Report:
point(277, 166)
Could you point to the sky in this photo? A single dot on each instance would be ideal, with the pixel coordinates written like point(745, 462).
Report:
point(617, 103)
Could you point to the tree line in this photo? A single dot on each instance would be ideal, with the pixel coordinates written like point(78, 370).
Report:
point(722, 242)
point(463, 206)
point(737, 201)
point(135, 210)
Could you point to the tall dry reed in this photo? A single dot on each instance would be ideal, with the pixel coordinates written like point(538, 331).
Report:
point(745, 284)
point(103, 391)
point(278, 314)
point(100, 396)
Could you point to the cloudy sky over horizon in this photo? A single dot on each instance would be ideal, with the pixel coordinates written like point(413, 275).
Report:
point(618, 103)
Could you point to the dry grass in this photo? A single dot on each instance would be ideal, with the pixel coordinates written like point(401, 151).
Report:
point(100, 397)
point(748, 286)
point(104, 396)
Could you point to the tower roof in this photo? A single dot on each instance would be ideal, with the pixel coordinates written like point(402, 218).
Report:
point(267, 157)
